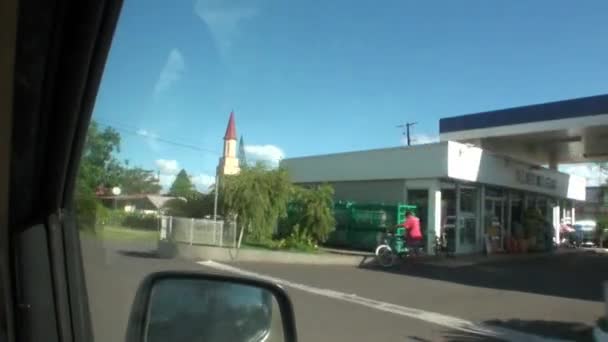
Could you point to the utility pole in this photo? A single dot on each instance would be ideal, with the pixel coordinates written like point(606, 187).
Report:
point(406, 131)
point(216, 192)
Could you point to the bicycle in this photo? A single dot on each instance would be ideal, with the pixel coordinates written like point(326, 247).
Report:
point(393, 247)
point(441, 246)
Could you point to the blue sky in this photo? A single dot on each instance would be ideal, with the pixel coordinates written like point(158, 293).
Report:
point(310, 77)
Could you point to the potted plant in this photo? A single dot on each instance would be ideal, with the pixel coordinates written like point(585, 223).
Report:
point(533, 225)
point(518, 236)
point(600, 332)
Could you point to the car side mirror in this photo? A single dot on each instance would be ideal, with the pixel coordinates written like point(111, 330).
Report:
point(180, 306)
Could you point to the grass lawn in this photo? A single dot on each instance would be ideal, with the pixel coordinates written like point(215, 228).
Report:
point(118, 233)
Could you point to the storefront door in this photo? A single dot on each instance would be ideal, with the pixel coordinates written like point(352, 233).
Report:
point(494, 222)
point(467, 220)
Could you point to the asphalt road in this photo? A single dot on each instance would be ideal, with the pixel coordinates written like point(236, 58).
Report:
point(557, 296)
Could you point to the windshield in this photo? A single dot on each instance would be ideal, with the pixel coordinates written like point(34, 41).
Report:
point(282, 140)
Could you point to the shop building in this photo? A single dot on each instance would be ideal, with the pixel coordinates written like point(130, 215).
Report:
point(595, 206)
point(453, 184)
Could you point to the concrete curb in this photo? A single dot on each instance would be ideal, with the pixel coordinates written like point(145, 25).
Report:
point(196, 252)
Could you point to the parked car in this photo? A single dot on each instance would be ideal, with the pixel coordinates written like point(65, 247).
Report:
point(585, 233)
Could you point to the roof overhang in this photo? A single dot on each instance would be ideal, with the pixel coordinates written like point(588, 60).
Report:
point(570, 131)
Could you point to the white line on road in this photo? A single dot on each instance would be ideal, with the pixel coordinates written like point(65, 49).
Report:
point(427, 316)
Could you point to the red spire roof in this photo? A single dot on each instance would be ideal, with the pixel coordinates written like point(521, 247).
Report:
point(231, 129)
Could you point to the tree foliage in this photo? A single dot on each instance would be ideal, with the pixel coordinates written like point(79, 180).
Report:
point(311, 211)
point(258, 197)
point(138, 181)
point(196, 205)
point(100, 167)
point(182, 185)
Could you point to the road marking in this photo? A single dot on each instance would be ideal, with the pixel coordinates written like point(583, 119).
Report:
point(427, 316)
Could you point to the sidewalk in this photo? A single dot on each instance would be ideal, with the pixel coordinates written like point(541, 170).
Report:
point(473, 259)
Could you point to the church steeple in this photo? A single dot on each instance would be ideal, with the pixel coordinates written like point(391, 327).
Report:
point(231, 128)
point(229, 164)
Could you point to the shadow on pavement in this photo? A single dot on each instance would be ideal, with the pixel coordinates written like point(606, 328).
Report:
point(575, 275)
point(141, 254)
point(568, 331)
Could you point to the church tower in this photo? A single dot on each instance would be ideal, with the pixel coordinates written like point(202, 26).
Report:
point(229, 163)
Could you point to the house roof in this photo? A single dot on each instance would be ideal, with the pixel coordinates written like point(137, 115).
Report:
point(231, 129)
point(158, 201)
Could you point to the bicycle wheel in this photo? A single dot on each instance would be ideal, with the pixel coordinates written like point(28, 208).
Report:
point(384, 256)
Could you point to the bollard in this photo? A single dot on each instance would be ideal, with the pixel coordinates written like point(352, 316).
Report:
point(606, 300)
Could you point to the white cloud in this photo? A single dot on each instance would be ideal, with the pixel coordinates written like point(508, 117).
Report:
point(166, 180)
point(167, 166)
point(266, 153)
point(146, 133)
point(223, 18)
point(171, 72)
point(420, 139)
point(203, 181)
point(591, 172)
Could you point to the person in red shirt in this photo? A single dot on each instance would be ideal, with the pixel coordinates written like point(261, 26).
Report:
point(413, 236)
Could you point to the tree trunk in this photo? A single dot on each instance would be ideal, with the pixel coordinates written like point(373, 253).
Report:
point(240, 237)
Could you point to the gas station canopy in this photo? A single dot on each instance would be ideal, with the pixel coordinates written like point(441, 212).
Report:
point(570, 131)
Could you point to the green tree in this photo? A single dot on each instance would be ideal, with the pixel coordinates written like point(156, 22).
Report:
point(98, 165)
point(196, 205)
point(182, 185)
point(138, 181)
point(258, 197)
point(311, 210)
point(242, 155)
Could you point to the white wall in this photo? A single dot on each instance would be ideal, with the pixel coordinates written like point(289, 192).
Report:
point(422, 161)
point(474, 164)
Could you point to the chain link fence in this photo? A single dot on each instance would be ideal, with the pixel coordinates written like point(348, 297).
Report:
point(198, 231)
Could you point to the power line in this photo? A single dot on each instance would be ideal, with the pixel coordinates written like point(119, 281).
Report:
point(137, 132)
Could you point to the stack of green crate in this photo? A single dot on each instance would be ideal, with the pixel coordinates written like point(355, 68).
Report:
point(342, 215)
point(360, 225)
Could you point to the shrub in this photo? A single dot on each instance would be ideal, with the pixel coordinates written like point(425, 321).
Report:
point(258, 196)
point(110, 217)
point(298, 240)
point(602, 323)
point(140, 221)
point(86, 205)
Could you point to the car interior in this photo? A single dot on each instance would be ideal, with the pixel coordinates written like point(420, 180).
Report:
point(52, 57)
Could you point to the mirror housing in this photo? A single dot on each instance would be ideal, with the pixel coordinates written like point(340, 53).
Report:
point(220, 306)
